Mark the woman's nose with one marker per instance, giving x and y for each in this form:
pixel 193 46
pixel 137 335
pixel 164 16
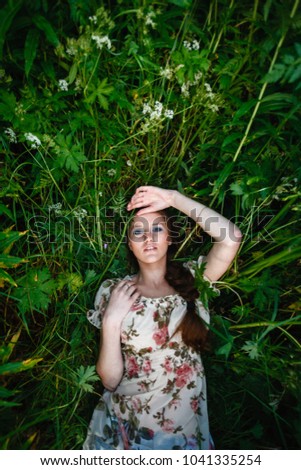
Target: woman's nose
pixel 148 236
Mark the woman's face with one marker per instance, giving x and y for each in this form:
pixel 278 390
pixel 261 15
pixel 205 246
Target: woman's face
pixel 149 238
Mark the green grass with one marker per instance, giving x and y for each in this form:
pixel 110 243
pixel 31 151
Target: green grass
pixel 226 132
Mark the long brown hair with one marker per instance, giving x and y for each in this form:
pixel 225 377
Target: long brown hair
pixel 194 331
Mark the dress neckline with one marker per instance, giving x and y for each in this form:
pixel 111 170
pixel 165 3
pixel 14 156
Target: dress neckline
pixel 161 297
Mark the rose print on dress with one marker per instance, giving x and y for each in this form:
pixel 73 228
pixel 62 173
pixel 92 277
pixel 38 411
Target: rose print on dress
pixel 132 366
pixel 161 336
pixel 184 374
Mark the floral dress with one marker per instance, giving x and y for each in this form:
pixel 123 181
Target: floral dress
pixel 161 400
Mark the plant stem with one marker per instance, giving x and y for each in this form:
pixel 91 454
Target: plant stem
pixel 263 88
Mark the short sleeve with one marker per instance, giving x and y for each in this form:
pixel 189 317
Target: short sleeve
pixel 192 266
pixel 102 298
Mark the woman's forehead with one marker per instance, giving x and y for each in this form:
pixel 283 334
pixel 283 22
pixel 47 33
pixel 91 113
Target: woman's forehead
pixel 152 218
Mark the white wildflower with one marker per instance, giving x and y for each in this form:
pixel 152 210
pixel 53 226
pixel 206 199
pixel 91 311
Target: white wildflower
pixel 210 95
pixel 213 108
pixel 167 73
pixel 19 109
pixel 197 77
pixel 185 90
pixel 100 194
pixel 93 19
pixel 195 45
pixel 129 163
pixel 149 19
pixel 146 109
pixel 155 112
pixel 78 84
pixel 145 127
pixel 154 115
pixel 11 135
pixel 178 67
pixel 169 113
pixel 112 172
pixel 63 85
pixel 80 214
pixel 57 208
pixel 187 45
pixel 208 87
pixel 101 41
pixel 158 108
pixel 192 46
pixel 71 50
pixel 35 141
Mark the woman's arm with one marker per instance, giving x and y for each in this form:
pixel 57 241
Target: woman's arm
pixel 227 236
pixel 110 364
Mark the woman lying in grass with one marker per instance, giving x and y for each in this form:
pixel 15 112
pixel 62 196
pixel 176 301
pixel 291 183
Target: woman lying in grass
pixel 153 331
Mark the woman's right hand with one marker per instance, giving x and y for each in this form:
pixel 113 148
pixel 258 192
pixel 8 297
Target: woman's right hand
pixel 124 294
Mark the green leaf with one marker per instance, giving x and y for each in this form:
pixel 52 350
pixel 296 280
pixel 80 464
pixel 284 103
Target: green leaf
pixel 5 393
pixel 7 404
pixel 207 292
pixel 90 276
pixel 181 3
pixel 5 277
pixel 100 92
pixel 297 47
pixel 7 15
pixel 30 50
pixel 266 9
pixel 69 156
pixel 7 238
pixel 275 74
pixel 296 74
pixel 45 26
pixel 244 109
pixel 257 430
pixel 15 367
pixel 226 348
pixel 7 349
pixel 6 211
pixel 83 377
pixel 231 138
pixel 236 189
pixel 251 347
pixel 8 261
pixel 72 73
pixel 7 105
pixel 35 290
pixel 72 280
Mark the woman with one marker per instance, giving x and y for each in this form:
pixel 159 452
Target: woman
pixel 153 329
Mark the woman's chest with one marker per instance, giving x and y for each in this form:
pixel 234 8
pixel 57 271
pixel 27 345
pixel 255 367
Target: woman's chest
pixel 151 323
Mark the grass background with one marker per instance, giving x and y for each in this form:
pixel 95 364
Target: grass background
pixel 97 98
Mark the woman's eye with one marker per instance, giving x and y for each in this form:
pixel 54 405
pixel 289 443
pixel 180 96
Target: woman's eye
pixel 157 229
pixel 137 232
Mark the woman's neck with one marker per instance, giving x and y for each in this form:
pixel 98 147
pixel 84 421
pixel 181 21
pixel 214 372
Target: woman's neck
pixel 151 281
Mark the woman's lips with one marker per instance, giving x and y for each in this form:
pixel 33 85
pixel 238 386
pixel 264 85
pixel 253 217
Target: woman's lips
pixel 150 248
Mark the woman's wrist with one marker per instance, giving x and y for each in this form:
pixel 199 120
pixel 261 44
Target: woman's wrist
pixel 111 323
pixel 172 197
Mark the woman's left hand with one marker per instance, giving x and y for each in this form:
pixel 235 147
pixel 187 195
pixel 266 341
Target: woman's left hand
pixel 151 199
